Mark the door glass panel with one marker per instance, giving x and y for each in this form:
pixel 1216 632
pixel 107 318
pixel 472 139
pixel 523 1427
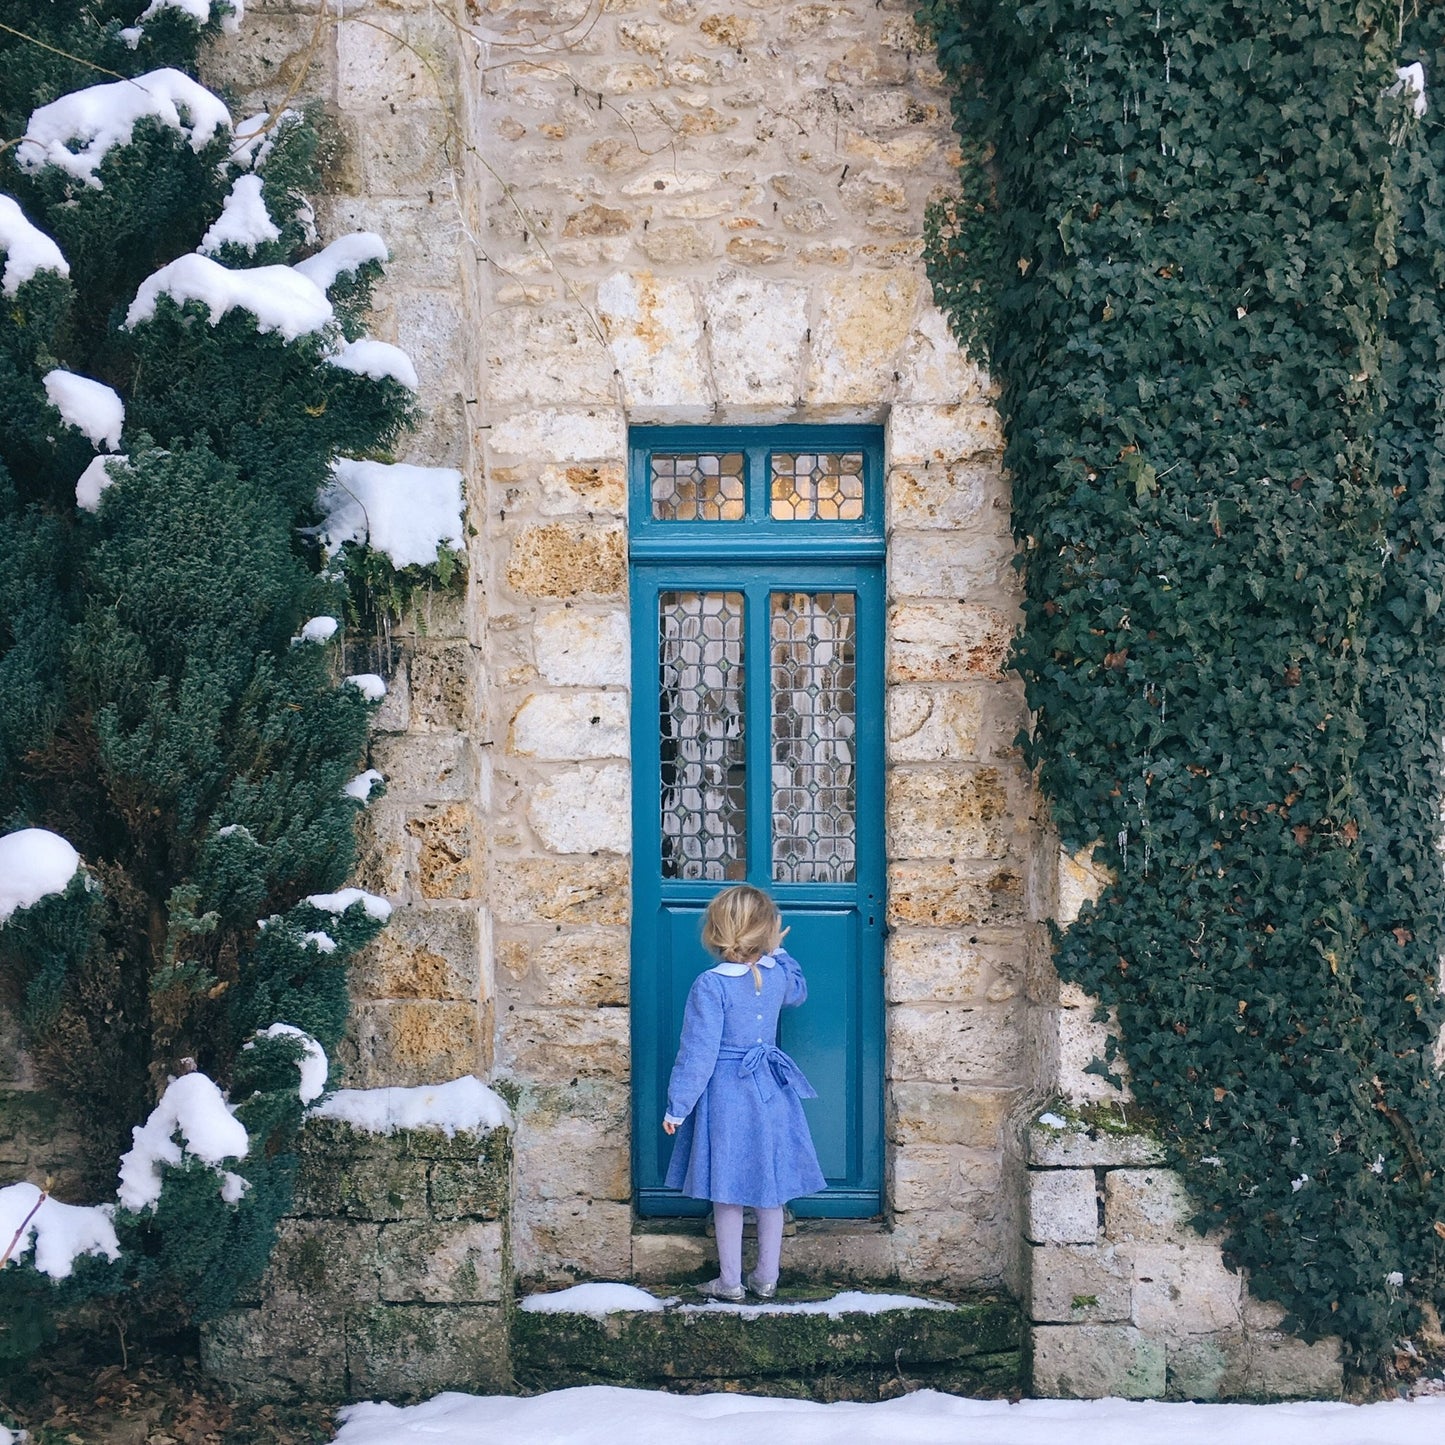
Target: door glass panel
pixel 814 709
pixel 817 486
pixel 700 681
pixel 698 487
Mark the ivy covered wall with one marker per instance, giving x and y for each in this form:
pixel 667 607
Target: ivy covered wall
pixel 1200 246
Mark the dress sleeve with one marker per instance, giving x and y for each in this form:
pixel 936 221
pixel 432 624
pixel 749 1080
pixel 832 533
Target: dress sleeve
pixel 702 1029
pixel 797 985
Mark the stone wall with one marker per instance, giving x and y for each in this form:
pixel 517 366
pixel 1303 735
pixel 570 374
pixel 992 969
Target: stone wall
pixel 1127 1299
pixel 391 1277
pixel 613 212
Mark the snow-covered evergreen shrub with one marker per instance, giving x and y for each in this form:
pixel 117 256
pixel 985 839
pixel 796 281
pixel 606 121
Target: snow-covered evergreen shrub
pixel 178 383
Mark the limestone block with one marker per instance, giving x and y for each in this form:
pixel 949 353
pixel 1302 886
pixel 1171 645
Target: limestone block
pixel 394 714
pixel 553 1045
pixel 945 434
pixel 1208 1367
pixel 441 1263
pixel 1284 1368
pixel 947 642
pixel 934 723
pixel 545 354
pixel 388 66
pixel 932 367
pixel 863 321
pixel 571 1158
pixel 953 564
pixel 953 895
pixel 581 968
pixel 757 330
pixel 664 1257
pixel 596 488
pixel 672 245
pixel 1082 1146
pixel 574 891
pixel 1149 1205
pixel 421 234
pixel 1081 1040
pixel 414 1042
pixel 964 495
pixel 923 1113
pixel 422 953
pixel 409 1352
pixel 428 327
pixel 581 649
pixel 1079 1284
pixel 953 1042
pixel 403 154
pixel 1063 1206
pixel 347 1185
pixel 958 812
pixel 563 726
pixel 562 559
pixel 584 810
pixel 324 1259
pixel 425 767
pixel 448 859
pixel 654 329
pixel 1080 881
pixel 443 683
pixel 554 434
pixel 1184 1289
pixel 942 1177
pixel 16 1070
pixel 469 1189
pixel 938 965
pixel 1094 1362
pixel 561 1239
pixel 271 55
pixel 288 1348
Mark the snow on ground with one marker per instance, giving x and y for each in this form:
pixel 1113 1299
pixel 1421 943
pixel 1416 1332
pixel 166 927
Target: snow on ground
pixel 91 407
pixel 595 1299
pixel 854 1302
pixel 279 299
pixel 313 1063
pixel 244 220
pixel 27 249
pixel 78 131
pixel 377 359
pixel 466 1104
pixel 343 256
pixel 404 511
pixel 604 1414
pixel 375 905
pixel 34 863
pixel 96 478
pixel 195 1108
pixel 60 1233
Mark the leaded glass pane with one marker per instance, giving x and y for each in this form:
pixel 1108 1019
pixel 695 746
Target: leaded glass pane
pixel 704 830
pixel 814 723
pixel 698 487
pixel 817 486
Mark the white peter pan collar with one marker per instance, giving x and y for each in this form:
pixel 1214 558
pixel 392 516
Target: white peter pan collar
pixel 737 970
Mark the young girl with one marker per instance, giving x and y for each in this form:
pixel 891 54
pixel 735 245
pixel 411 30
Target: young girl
pixel 733 1099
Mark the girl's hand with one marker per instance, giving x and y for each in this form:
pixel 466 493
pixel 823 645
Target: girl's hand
pixel 668 1127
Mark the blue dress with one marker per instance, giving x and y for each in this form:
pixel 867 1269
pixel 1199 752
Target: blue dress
pixel 743 1137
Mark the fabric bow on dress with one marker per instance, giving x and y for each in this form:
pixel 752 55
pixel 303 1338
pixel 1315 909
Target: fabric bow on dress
pixel 771 1069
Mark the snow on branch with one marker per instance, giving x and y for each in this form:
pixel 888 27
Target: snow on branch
pixel 27 249
pixel 312 1064
pixel 344 256
pixel 244 220
pixel 255 137
pixel 281 300
pixel 404 511
pixel 378 360
pixel 193 1107
pixel 34 863
pixel 100 474
pixel 60 1233
pixel 91 407
pixel 78 131
pixel 376 906
pixel 232 12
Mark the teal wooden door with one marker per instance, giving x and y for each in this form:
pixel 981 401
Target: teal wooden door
pixel 757 603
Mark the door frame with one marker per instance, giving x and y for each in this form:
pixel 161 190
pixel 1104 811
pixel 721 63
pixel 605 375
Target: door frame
pixel 810 556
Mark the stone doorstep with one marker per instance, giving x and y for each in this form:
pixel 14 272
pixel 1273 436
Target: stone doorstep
pixel 976 1346
pixel 673 1248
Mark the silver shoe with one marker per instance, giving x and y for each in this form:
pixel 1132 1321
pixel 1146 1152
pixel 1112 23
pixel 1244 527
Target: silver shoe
pixel 716 1289
pixel 763 1291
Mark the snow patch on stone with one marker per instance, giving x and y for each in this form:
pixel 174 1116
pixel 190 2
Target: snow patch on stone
pixel 193 1107
pixel 848 1302
pixel 465 1105
pixel 596 1299
pixel 27 249
pixel 361 785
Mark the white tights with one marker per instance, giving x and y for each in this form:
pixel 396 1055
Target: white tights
pixel 728 1220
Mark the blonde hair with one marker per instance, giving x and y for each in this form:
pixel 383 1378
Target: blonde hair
pixel 742 924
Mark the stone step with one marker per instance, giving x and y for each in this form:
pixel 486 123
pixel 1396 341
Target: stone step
pixel 971 1345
